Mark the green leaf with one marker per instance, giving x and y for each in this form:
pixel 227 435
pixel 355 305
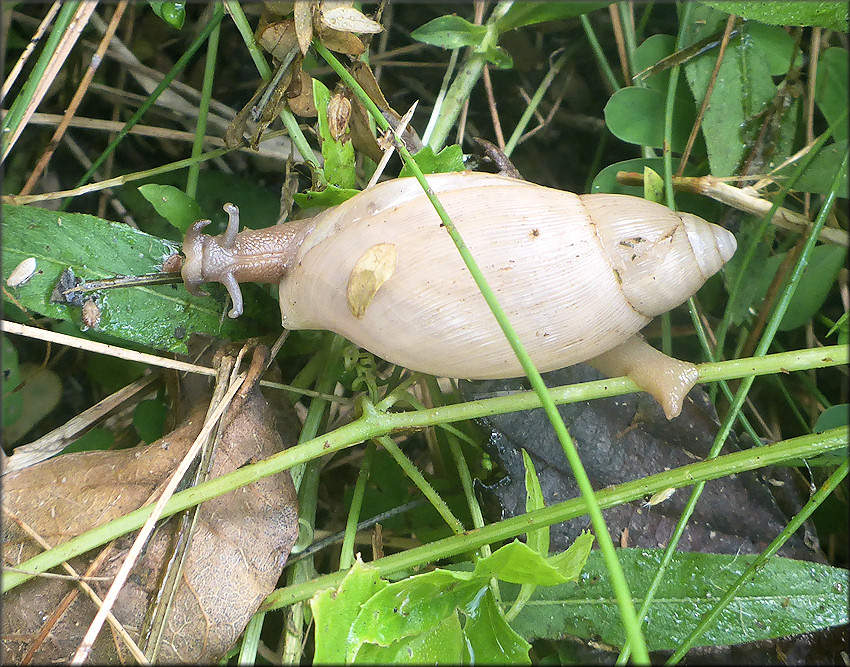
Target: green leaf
pixel 832 15
pixel 172 204
pixel 149 419
pixel 743 87
pixel 833 417
pixel 9 381
pixel 489 638
pixel 831 89
pixel 776 45
pixel 330 196
pixel 518 564
pixel 335 610
pixel 529 13
pixel 441 645
pixel 448 159
pixel 338 153
pixel 96 439
pixel 499 57
pixel 636 115
pixel 414 605
pixel 786 597
pixel 821 172
pixel 450 32
pixel 653 186
pixel 40 391
pixel 161 317
pixel 651 51
pixel 537 539
pixel 173 13
pixel 571 562
pixel 813 288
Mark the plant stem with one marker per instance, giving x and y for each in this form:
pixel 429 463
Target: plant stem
pixel 372 424
pixel 752 569
pixel 466 79
pixel 203 110
pixel 734 463
pixel 609 554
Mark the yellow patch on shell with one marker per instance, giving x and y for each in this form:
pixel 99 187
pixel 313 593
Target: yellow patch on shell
pixel 373 269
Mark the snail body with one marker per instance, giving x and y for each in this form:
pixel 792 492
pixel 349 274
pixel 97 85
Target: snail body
pixel 577 275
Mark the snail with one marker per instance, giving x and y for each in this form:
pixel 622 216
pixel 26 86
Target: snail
pixel 577 275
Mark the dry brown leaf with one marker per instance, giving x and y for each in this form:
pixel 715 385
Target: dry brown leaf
pixel 344 18
pixel 278 38
pixel 341 42
pixel 304 24
pixel 339 113
pixel 303 103
pixel 239 548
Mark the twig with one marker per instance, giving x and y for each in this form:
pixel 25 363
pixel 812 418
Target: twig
pixel 36 38
pixel 74 104
pixel 727 33
pixel 59 438
pixel 57 59
pixel 741 199
pixel 494 112
pixel 80 581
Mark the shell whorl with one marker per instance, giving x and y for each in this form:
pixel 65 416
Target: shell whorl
pixel 546 253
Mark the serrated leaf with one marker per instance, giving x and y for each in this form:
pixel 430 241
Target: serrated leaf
pixel 161 317
pixel 743 87
pixel 448 159
pixel 832 15
pixel 450 32
pixel 813 288
pixel 786 597
pixel 489 638
pixel 821 172
pixel 172 204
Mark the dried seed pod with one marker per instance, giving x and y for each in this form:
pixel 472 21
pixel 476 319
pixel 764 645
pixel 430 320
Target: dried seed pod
pixel 577 275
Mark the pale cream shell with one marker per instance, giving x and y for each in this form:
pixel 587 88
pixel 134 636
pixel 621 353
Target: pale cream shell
pixel 560 266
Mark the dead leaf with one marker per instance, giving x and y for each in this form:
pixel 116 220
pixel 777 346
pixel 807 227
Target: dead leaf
pixel 627 437
pixel 339 113
pixel 303 104
pixel 278 38
pixel 341 42
pixel 347 19
pixel 304 24
pixel 237 554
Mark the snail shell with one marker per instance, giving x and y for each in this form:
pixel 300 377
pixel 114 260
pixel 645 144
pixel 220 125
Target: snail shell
pixel 577 275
